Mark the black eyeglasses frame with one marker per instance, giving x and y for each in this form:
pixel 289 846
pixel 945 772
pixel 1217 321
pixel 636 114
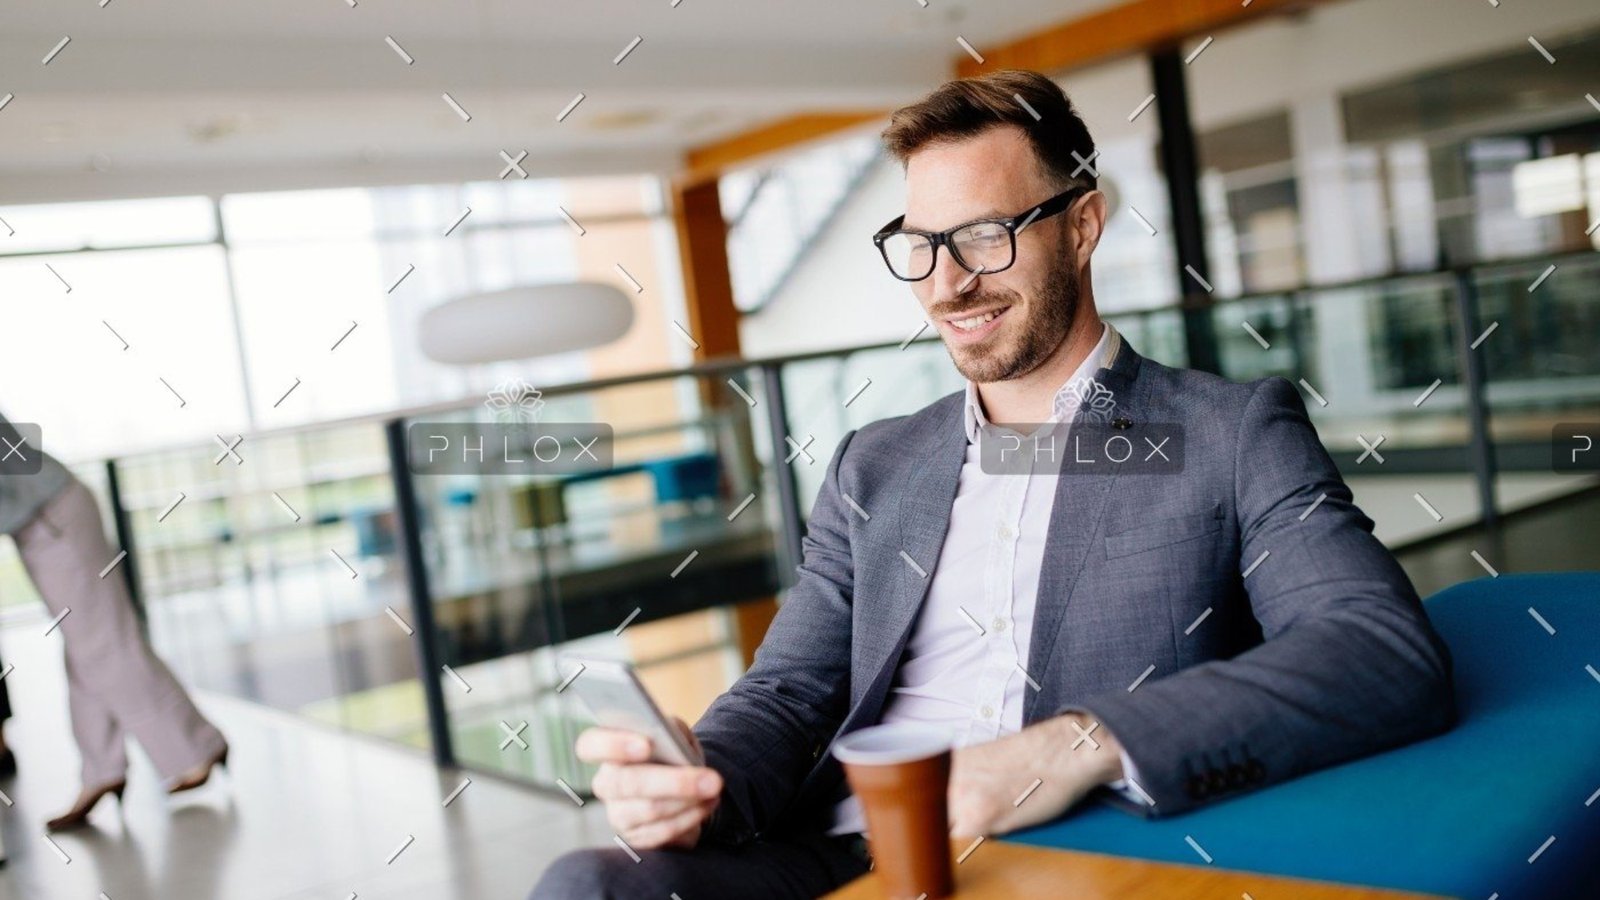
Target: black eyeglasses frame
pixel 1012 224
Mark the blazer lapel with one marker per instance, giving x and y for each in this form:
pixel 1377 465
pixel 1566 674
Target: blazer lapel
pixel 1074 524
pixel 924 519
pixel 933 472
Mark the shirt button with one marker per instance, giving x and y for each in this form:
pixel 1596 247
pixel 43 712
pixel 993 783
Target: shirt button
pixel 998 624
pixel 987 712
pixel 1005 532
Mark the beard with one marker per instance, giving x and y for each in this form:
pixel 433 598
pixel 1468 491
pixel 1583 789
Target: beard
pixel 1021 346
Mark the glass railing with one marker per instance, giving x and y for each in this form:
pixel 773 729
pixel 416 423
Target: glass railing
pixel 1542 370
pixel 320 575
pixel 654 559
pixel 265 573
pixel 1378 367
pixel 1387 378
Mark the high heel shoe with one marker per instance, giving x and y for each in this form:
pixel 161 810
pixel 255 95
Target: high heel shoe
pixel 78 815
pixel 200 774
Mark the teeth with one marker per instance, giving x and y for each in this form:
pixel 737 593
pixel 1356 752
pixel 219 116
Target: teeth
pixel 975 321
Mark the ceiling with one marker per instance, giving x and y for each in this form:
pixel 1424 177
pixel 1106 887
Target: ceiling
pixel 157 97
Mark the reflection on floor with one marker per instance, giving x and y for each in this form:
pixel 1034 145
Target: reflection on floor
pixel 1556 537
pixel 1398 518
pixel 306 812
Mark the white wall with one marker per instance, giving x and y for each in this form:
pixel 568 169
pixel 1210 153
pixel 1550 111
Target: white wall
pixel 843 295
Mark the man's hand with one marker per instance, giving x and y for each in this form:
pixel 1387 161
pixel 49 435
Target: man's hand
pixel 650 805
pixel 988 780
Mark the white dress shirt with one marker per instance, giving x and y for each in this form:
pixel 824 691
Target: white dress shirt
pixel 965 664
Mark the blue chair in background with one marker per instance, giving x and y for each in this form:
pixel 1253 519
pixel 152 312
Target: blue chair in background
pixel 376 530
pixel 1507 802
pixel 686 477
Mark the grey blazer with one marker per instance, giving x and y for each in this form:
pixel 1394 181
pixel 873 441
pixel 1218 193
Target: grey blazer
pixel 1320 654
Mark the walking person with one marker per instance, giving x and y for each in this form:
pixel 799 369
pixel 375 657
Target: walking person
pixel 8 760
pixel 117 687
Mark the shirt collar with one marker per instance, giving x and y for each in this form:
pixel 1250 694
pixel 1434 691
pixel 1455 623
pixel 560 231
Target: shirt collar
pixel 1067 396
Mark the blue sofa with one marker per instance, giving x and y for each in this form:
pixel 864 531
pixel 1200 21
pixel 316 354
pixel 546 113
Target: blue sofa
pixel 1470 813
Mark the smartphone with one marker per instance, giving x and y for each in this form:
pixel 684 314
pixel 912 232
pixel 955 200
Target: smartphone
pixel 616 698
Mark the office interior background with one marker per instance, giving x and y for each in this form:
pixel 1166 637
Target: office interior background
pixel 228 219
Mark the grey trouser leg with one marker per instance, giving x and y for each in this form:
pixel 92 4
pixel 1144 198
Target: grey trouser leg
pixel 799 867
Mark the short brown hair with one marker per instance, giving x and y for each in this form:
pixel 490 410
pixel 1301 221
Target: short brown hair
pixel 967 106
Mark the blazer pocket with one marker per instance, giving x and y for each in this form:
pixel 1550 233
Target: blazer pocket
pixel 1164 532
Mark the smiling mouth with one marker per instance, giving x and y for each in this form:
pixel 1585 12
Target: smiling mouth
pixel 972 323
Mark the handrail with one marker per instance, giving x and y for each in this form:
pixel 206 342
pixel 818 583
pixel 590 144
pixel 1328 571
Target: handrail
pixel 727 363
pixel 763 178
pixel 714 366
pixel 852 186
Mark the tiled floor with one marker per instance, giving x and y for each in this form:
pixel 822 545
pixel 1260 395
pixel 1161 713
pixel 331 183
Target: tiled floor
pixel 305 812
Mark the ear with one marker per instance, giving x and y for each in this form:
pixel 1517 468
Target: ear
pixel 1088 220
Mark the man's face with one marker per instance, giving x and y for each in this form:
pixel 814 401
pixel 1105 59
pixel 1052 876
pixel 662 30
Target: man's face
pixel 1032 303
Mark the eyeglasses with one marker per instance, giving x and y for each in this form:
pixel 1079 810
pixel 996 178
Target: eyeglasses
pixel 983 246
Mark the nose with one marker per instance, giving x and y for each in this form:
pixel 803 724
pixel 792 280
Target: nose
pixel 948 283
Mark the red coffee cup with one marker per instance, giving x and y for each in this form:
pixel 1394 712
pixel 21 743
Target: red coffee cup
pixel 900 773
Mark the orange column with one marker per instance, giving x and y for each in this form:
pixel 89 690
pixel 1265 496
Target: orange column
pixel 714 323
pixel 703 251
pixel 686 685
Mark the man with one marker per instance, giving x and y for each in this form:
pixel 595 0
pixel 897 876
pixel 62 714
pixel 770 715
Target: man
pixel 1211 631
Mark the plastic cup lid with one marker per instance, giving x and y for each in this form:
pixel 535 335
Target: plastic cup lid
pixel 889 744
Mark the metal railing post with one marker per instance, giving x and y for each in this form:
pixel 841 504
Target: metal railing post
pixel 1180 163
pixel 124 529
pixel 1475 380
pixel 1292 302
pixel 426 638
pixel 793 524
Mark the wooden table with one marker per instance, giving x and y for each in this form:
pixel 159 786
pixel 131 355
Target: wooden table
pixel 997 869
